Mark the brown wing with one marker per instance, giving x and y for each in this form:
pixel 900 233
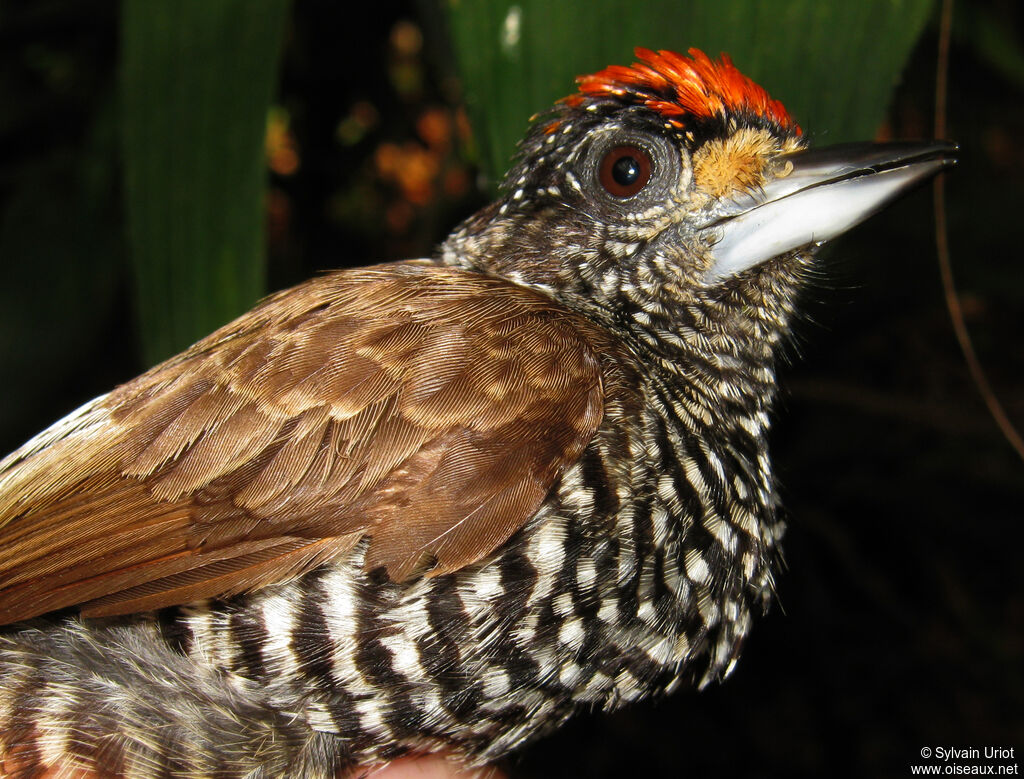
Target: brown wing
pixel 427 408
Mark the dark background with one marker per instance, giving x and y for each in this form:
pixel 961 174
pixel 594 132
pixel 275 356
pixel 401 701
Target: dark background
pixel 900 619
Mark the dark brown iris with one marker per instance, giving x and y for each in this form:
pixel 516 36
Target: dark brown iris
pixel 625 170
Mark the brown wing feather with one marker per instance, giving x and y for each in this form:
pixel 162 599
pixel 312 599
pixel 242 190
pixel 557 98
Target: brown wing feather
pixel 427 408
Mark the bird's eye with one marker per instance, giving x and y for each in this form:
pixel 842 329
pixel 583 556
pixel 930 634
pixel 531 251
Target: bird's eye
pixel 625 170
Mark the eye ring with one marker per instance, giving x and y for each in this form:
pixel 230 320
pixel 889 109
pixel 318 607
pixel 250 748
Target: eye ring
pixel 624 170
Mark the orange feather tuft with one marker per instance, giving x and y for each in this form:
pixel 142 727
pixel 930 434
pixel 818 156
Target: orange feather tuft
pixel 674 85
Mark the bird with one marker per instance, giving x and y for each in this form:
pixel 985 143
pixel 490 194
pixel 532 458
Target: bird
pixel 440 505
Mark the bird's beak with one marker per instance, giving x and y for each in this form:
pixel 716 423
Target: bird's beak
pixel 826 192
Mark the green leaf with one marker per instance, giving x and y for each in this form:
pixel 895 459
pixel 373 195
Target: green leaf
pixel 832 64
pixel 197 81
pixel 992 40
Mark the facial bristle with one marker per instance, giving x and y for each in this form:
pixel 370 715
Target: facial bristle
pixel 678 87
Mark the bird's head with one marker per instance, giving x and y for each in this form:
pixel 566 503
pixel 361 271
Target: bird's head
pixel 678 184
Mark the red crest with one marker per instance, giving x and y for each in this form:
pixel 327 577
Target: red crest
pixel 675 86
